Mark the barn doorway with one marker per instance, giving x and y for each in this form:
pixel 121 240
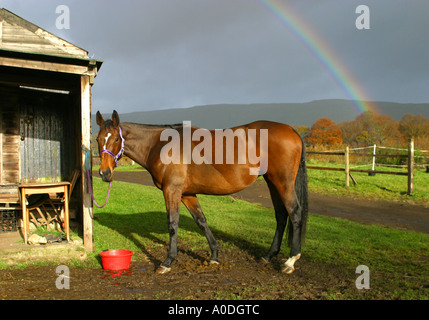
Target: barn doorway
pixel 47 137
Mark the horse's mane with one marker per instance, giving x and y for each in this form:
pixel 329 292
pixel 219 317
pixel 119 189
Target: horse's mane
pixel 175 125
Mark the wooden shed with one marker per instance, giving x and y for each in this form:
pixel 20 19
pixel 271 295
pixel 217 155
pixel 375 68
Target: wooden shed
pixel 45 113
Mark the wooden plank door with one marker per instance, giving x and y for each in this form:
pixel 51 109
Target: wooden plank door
pixel 9 142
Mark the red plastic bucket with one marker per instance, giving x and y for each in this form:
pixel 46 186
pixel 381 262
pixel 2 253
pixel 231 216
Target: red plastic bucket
pixel 116 259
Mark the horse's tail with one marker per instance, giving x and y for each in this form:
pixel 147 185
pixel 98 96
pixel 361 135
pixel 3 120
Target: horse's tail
pixel 301 191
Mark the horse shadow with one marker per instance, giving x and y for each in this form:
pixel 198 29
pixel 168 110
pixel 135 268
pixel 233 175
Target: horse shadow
pixel 152 226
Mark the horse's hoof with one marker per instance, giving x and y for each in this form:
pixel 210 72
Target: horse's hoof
pixel 288 270
pixel 214 262
pixel 163 270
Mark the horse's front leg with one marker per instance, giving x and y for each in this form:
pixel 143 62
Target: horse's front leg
pixel 193 205
pixel 172 203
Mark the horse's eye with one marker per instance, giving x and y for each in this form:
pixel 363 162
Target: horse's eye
pixel 117 139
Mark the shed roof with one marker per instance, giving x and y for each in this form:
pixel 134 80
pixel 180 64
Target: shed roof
pixel 18 34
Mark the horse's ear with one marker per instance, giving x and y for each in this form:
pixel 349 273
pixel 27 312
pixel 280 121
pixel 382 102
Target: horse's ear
pixel 115 118
pixel 100 119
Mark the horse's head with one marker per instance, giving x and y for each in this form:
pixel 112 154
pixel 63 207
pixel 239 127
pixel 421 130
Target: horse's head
pixel 110 145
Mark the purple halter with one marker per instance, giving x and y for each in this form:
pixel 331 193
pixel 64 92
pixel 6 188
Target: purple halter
pixel 120 153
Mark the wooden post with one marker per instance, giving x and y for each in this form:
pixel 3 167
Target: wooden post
pixel 410 167
pixel 347 166
pixel 88 237
pixel 373 158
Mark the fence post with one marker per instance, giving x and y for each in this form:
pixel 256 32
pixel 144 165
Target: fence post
pixel 411 167
pixel 373 158
pixel 347 166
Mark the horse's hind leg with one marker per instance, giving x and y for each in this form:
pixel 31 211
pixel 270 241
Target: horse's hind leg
pixel 286 203
pixel 193 205
pixel 295 221
pixel 281 218
pixel 295 242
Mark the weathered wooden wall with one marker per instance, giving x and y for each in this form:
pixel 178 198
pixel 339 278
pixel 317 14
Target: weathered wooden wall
pixel 45 153
pixel 38 137
pixel 9 140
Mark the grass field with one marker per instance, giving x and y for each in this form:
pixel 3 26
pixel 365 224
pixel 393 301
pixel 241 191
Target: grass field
pixel 135 218
pixel 380 186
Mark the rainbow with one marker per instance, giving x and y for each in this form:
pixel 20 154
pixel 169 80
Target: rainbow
pixel 322 52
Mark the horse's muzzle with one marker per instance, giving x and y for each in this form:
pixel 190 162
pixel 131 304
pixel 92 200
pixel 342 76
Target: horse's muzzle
pixel 106 175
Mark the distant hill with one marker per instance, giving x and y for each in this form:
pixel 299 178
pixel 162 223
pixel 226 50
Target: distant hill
pixel 229 115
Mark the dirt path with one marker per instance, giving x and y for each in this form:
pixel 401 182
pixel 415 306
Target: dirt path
pixel 388 213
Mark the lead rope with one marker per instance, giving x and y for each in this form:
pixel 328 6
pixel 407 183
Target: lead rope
pixel 88 175
pixel 92 194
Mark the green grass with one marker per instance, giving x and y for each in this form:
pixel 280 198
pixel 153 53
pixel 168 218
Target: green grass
pixel 380 186
pixel 135 218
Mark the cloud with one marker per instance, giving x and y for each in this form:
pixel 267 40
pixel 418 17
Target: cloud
pixel 169 53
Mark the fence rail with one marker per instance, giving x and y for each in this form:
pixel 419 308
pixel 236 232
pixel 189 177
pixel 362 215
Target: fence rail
pixel 347 170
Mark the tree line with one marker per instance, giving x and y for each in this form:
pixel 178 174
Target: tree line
pixel 367 129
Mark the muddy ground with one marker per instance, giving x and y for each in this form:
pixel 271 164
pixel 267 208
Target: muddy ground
pixel 240 274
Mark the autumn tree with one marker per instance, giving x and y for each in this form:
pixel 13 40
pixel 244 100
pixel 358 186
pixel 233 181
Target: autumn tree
pixel 326 132
pixel 416 127
pixel 350 130
pixel 302 130
pixel 371 128
pixel 413 126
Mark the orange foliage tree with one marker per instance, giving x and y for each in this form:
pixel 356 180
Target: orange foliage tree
pixel 324 132
pixel 412 126
pixel 416 127
pixel 371 128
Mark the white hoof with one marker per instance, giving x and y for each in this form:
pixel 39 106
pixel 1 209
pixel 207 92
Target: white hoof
pixel 163 270
pixel 289 264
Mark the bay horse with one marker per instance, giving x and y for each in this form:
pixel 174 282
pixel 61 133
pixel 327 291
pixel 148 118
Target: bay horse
pixel 285 174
